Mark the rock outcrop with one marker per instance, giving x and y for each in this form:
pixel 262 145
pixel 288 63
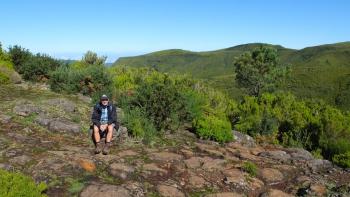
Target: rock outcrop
pixel 50 144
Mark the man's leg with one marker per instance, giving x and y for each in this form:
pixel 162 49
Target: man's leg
pixel 97 139
pixel 109 133
pixel 108 139
pixel 97 134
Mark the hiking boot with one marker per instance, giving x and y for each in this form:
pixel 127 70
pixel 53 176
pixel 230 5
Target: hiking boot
pixel 106 148
pixel 98 148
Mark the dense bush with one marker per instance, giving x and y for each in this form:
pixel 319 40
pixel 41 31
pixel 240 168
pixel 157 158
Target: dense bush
pixel 38 67
pixel 16 184
pixel 4 56
pixel 93 80
pixel 213 128
pixel 160 100
pixel 157 95
pixel 141 127
pixel 309 124
pixel 169 101
pixel 19 56
pixel 4 79
pixel 32 67
pixel 7 72
pixel 342 160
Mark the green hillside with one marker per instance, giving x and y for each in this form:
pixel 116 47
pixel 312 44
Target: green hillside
pixel 318 72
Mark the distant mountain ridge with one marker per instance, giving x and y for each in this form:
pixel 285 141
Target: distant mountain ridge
pixel 318 72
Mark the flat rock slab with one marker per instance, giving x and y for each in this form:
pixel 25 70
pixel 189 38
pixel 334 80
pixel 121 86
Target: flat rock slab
pixel 50 165
pixel 225 194
pixel 62 125
pixel 42 120
pixel 300 154
pixel 255 184
pixel 196 181
pixel 235 177
pixel 211 164
pixel 169 191
pixel 193 162
pixel 318 189
pixel 317 165
pixel 244 139
pixel 210 149
pixel 21 160
pixel 276 155
pixel 271 175
pixel 276 193
pixel 166 156
pixel 248 156
pixel 187 153
pixel 4 119
pixel 152 169
pixel 62 103
pixel 121 170
pixel 104 190
pixel 26 109
pixel 127 153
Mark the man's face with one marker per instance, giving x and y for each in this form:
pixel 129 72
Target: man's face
pixel 104 102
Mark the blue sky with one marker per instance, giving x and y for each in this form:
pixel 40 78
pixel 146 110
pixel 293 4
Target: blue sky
pixel 68 28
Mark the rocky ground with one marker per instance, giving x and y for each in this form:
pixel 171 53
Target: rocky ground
pixel 45 135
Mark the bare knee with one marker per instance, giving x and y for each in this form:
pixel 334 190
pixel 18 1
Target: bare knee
pixel 96 129
pixel 110 127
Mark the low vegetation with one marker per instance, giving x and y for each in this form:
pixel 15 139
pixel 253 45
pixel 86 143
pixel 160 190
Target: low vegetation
pixel 32 67
pixel 312 125
pixel 250 168
pixel 164 102
pixel 16 184
pixel 7 72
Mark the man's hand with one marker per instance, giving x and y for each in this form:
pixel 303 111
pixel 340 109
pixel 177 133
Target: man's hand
pixel 103 127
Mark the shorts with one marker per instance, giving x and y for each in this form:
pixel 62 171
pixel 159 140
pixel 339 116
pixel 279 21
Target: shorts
pixel 103 134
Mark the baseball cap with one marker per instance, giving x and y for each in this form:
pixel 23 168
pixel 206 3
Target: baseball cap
pixel 104 97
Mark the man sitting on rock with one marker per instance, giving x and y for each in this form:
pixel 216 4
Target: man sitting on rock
pixel 104 119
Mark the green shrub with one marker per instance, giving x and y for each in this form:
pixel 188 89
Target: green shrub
pixel 161 101
pixel 92 80
pixel 7 72
pixel 17 184
pixel 169 101
pixel 250 168
pixel 138 125
pixel 19 56
pixel 317 153
pixel 4 79
pixel 4 56
pixel 194 104
pixel 213 128
pixel 156 94
pixel 7 64
pixel 310 124
pixel 33 67
pixel 38 67
pixel 6 68
pixel 342 160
